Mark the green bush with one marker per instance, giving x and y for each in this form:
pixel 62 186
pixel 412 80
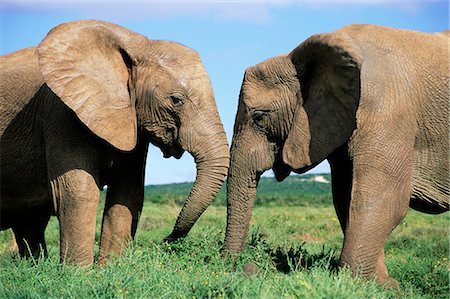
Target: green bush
pixel 295 190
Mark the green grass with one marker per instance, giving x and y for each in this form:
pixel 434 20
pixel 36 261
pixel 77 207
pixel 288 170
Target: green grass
pixel 295 243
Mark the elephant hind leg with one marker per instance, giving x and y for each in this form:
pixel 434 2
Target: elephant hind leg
pixel 376 208
pixel 382 159
pixel 382 276
pixel 30 234
pixel 341 173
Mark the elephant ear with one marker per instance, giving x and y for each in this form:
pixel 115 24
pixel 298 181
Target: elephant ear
pixel 89 65
pixel 328 67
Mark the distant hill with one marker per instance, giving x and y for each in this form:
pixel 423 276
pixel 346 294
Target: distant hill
pixel 303 190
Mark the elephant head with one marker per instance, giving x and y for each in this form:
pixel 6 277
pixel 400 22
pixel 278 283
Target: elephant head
pixel 294 110
pixel 124 87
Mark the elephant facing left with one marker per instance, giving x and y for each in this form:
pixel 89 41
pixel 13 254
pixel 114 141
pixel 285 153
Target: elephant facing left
pixel 77 113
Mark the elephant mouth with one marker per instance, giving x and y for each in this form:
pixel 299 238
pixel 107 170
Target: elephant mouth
pixel 172 151
pixel 306 168
pixel 168 150
pixel 281 171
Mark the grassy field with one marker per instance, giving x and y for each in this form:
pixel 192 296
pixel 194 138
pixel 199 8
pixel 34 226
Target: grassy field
pixel 295 240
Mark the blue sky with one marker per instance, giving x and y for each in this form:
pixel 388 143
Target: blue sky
pixel 229 35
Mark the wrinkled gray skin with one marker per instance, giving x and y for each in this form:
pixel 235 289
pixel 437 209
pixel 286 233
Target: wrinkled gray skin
pixel 374 102
pixel 77 113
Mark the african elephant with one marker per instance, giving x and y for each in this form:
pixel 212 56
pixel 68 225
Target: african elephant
pixel 371 100
pixel 78 112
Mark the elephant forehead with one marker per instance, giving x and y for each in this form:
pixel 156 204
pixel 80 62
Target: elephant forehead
pixel 171 52
pixel 177 61
pixel 255 99
pixel 269 82
pixel 258 95
pixel 184 77
pixel 194 76
pixel 272 72
pixel 189 75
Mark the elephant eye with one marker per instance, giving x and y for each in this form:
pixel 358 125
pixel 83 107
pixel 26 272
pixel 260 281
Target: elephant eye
pixel 177 99
pixel 258 117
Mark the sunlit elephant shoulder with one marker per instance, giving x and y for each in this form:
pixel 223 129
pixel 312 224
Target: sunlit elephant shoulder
pixel 78 112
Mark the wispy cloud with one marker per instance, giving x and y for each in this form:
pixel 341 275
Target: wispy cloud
pixel 248 11
pixel 411 7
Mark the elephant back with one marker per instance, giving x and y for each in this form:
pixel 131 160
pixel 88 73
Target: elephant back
pixel 20 68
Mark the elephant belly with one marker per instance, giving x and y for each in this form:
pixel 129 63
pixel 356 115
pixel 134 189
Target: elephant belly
pixel 16 208
pixel 22 187
pixel 22 194
pixel 23 182
pixel 430 177
pixel 430 184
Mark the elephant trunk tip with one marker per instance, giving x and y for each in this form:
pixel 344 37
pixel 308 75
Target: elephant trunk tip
pixel 174 236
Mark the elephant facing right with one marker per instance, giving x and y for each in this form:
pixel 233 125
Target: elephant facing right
pixel 374 102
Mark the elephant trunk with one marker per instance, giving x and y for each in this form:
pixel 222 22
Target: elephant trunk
pixel 243 178
pixel 211 155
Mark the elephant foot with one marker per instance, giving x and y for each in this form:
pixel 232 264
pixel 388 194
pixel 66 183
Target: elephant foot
pixel 250 269
pixel 389 283
pixel 101 261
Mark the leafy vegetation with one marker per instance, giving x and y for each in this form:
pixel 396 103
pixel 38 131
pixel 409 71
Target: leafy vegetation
pixel 295 240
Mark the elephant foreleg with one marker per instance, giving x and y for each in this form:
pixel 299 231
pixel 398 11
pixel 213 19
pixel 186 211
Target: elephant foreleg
pixel 341 176
pixel 76 196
